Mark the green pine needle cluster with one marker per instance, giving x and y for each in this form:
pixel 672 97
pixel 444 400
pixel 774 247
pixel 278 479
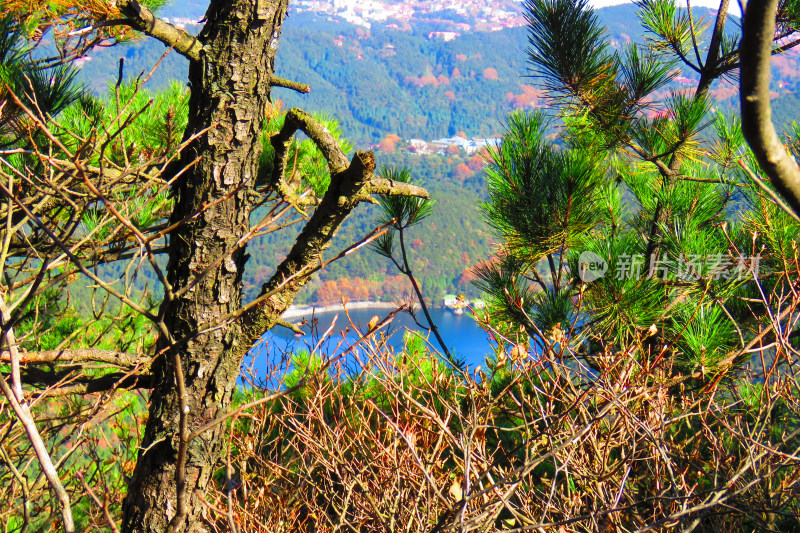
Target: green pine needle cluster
pixel 639 228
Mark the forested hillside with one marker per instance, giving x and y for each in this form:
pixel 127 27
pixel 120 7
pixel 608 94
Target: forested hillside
pixel 395 84
pixel 442 250
pixel 401 81
pixel 386 81
pixel 632 235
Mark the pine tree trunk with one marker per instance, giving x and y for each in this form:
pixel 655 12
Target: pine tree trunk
pixel 229 91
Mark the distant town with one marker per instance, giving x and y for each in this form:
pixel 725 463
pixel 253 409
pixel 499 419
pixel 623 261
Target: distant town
pixel 440 146
pixel 482 15
pixel 474 15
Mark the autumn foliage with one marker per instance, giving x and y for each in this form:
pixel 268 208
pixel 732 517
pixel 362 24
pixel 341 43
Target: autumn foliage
pixel 389 142
pixel 359 290
pixel 490 74
pixel 461 172
pixel 530 97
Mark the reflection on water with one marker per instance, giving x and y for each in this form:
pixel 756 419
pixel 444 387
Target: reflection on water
pixel 462 335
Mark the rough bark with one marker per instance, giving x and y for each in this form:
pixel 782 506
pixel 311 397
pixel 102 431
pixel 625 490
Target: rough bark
pixel 205 329
pixel 348 187
pixel 230 87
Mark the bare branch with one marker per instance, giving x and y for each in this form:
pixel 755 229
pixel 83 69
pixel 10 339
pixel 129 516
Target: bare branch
pixel 769 192
pixel 708 71
pixel 23 413
pixel 297 119
pixel 389 187
pixel 294 328
pixel 63 382
pixel 277 81
pixel 756 50
pixel 102 505
pixel 142 19
pixel 87 355
pixel 250 405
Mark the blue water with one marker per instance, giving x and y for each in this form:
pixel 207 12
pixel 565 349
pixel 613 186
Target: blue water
pixel 460 333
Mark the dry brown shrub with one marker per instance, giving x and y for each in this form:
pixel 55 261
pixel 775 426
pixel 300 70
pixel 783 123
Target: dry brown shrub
pixel 405 444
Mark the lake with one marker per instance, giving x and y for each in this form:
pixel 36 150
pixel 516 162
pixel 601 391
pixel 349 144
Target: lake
pixel 460 332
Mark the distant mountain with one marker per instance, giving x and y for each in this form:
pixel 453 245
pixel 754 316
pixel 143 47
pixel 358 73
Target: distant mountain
pixel 388 83
pixel 414 81
pixel 376 81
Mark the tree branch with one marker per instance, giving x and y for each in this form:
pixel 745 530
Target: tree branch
pixel 351 183
pixel 24 415
pixel 389 187
pixel 290 326
pixel 142 19
pixel 340 199
pixel 769 192
pixel 60 383
pixel 277 81
pixel 88 355
pixel 708 72
pixel 756 50
pixel 297 119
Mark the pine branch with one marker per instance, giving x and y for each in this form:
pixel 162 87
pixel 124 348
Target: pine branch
pixel 277 81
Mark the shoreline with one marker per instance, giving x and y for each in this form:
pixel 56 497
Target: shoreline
pixel 298 311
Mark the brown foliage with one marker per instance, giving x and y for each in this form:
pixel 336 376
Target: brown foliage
pixel 462 172
pixel 426 79
pixel 530 97
pixel 389 142
pixel 534 442
pixel 477 162
pixel 490 74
